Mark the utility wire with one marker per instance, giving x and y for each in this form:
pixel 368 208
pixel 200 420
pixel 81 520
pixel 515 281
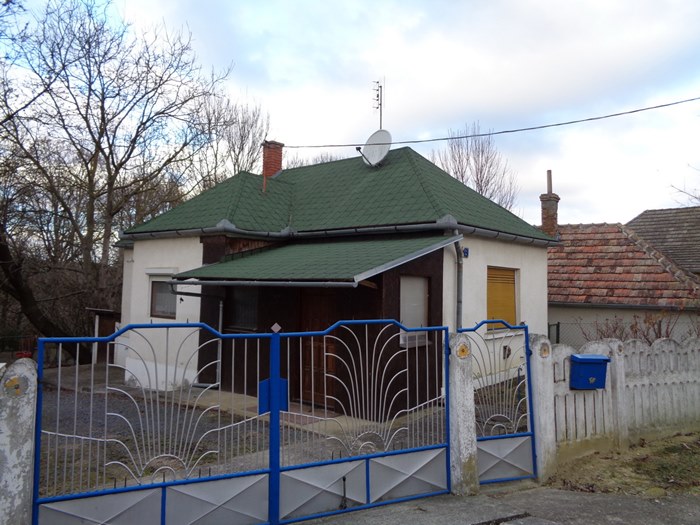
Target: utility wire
pixel 507 131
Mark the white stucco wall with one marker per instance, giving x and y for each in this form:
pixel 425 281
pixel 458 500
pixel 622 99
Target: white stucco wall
pixel 158 259
pixel 531 286
pixel 575 320
pixel 153 259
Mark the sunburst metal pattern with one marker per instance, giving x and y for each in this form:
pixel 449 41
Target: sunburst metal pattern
pixel 144 421
pixel 505 439
pixel 364 389
pixel 204 427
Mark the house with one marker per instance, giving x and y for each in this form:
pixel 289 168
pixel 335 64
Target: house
pixel 605 280
pixel 675 232
pixel 308 246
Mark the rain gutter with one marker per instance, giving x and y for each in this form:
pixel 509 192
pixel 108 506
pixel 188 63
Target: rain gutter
pixel 289 284
pixel 446 223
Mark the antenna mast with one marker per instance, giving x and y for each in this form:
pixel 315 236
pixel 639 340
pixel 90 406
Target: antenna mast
pixel 379 99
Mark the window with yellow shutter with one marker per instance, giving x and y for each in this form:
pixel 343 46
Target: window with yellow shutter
pixel 500 295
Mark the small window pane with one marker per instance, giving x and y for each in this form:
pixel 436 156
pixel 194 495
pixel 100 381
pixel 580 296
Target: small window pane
pixel 414 301
pixel 163 301
pixel 413 309
pixel 245 308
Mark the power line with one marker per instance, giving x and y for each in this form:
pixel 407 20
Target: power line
pixel 507 131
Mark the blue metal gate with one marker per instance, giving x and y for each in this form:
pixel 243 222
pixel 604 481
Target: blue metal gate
pixel 310 424
pixel 502 392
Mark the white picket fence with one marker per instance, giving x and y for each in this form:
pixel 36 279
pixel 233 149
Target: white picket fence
pixel 650 389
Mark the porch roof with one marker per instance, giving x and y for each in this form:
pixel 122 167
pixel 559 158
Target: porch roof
pixel 341 262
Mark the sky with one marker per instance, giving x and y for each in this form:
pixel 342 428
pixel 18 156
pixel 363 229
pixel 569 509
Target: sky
pixel 445 64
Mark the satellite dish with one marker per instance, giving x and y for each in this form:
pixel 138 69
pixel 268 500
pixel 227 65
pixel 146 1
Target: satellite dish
pixel 376 147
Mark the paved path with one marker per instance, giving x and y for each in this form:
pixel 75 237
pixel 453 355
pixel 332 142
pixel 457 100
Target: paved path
pixel 529 506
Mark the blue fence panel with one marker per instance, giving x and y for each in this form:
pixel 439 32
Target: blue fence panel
pixel 179 412
pixel 502 392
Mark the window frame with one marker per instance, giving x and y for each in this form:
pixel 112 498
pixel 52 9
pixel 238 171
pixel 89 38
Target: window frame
pixel 240 298
pixel 419 285
pixel 155 293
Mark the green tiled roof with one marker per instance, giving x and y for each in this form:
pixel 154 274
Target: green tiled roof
pixel 405 189
pixel 341 260
pixel 239 200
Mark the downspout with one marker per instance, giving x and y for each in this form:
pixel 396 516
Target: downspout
pixel 460 274
pixel 219 345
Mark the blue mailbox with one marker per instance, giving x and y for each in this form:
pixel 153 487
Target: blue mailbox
pixel 588 371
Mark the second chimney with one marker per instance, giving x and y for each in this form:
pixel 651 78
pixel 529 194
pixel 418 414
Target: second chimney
pixel 272 158
pixel 550 208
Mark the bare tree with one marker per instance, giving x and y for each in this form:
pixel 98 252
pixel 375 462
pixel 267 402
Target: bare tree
pixel 236 132
pixel 98 118
pixel 472 158
pixel 296 161
pixel 691 195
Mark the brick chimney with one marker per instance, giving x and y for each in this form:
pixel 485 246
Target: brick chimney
pixel 550 208
pixel 272 158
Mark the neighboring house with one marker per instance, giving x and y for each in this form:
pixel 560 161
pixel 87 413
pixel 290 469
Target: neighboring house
pixel 308 246
pixel 606 281
pixel 675 232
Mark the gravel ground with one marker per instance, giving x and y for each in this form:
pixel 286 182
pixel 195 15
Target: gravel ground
pixel 182 442
pixel 150 440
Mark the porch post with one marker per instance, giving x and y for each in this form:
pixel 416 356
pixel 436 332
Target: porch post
pixel 463 452
pixel 542 405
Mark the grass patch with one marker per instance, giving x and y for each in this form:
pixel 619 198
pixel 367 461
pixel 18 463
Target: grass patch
pixel 676 465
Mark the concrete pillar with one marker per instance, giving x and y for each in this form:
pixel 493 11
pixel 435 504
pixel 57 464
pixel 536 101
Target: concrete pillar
pixel 542 403
pixel 618 391
pixel 18 387
pixel 465 473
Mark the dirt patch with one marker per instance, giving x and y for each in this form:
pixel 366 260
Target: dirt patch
pixel 653 468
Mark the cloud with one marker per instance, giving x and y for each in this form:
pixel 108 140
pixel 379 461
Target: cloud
pixel 311 64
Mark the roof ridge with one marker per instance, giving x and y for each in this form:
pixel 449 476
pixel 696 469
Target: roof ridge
pixel 292 198
pixel 668 264
pixel 232 207
pixel 417 172
pixel 592 224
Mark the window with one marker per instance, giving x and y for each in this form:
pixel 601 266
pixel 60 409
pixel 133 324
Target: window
pixel 413 308
pixel 245 308
pixel 500 295
pixel 163 301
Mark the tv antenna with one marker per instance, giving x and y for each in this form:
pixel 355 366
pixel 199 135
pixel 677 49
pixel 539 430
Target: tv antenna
pixel 379 99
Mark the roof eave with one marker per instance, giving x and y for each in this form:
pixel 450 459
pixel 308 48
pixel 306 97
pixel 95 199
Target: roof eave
pixel 225 227
pixel 609 306
pixel 263 283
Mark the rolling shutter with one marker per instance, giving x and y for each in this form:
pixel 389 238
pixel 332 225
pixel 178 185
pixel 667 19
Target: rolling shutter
pixel 500 295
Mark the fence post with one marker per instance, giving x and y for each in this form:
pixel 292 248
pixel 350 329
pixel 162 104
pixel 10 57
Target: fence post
pixel 17 416
pixel 463 451
pixel 618 387
pixel 274 481
pixel 542 405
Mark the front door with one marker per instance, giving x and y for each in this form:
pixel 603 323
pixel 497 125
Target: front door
pixel 318 362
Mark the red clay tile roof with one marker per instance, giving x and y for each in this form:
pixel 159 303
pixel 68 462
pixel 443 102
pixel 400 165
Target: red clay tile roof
pixel 607 264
